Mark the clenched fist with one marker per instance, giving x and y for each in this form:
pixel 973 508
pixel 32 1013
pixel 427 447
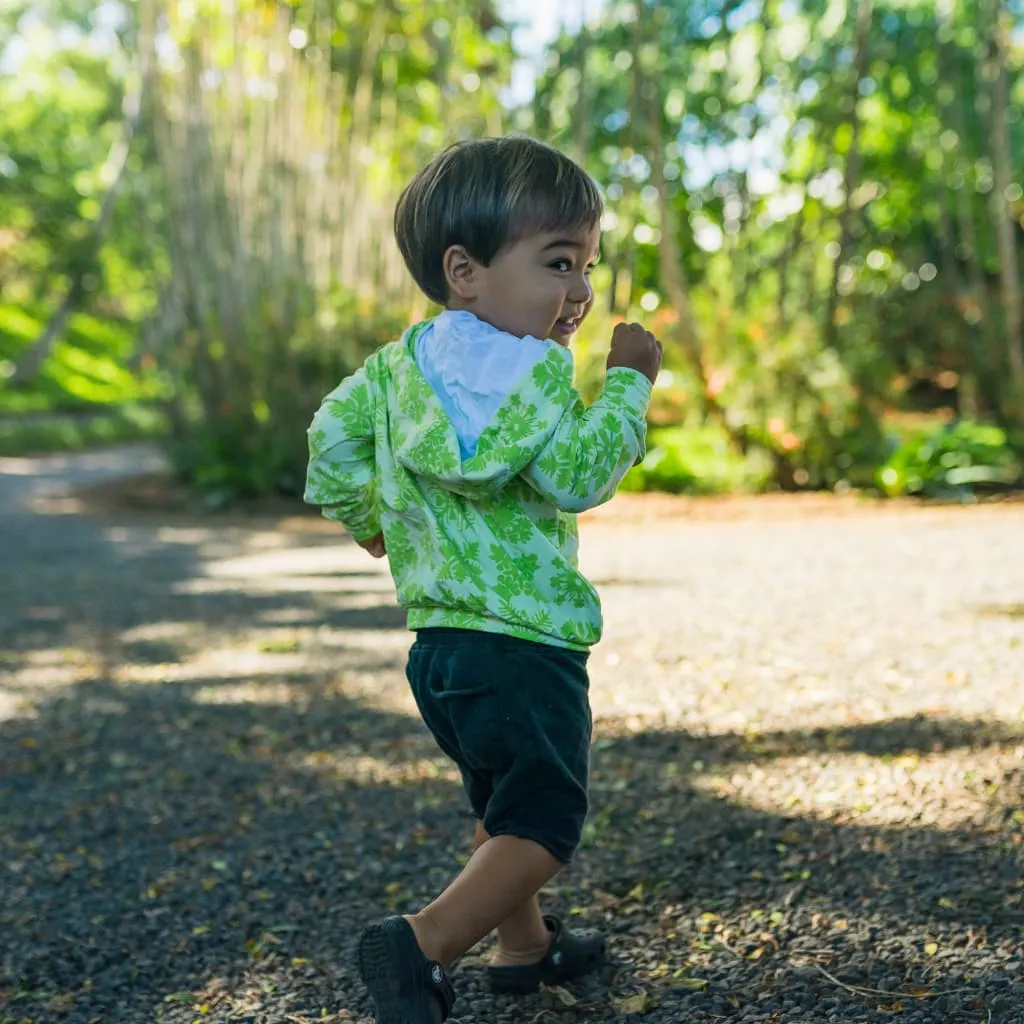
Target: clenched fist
pixel 636 348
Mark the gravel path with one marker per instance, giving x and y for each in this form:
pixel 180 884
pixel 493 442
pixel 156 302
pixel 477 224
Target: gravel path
pixel 808 769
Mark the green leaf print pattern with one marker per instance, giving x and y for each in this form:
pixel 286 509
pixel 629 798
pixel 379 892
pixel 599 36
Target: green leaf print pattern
pixel 490 542
pixel 342 469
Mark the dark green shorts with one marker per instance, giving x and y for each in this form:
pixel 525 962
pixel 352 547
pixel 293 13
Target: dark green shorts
pixel 515 717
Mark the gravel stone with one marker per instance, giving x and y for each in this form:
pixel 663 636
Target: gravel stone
pixel 808 765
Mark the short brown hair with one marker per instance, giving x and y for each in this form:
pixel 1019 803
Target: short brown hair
pixel 486 194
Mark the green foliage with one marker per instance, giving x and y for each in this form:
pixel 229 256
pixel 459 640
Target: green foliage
pixel 251 224
pixel 86 370
pixel 60 114
pixel 31 434
pixel 696 461
pixel 283 271
pixel 763 120
pixel 239 417
pixel 955 460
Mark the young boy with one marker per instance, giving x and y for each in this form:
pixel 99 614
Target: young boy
pixel 463 453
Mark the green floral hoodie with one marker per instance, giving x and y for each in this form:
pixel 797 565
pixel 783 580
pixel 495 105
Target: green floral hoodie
pixel 480 530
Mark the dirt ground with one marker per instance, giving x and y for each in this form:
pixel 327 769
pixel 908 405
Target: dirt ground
pixel 808 770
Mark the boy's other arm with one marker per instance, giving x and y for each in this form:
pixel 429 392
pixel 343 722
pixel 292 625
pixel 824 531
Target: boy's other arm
pixel 591 450
pixel 342 463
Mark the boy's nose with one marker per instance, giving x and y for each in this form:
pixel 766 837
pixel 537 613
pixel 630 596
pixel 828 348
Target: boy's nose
pixel 581 292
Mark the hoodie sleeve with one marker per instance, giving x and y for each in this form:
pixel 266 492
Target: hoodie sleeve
pixel 591 450
pixel 342 464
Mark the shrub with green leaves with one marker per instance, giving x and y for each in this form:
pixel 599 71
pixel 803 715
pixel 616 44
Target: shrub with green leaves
pixel 954 461
pixel 699 460
pixel 241 413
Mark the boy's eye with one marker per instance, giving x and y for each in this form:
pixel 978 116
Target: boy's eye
pixel 565 265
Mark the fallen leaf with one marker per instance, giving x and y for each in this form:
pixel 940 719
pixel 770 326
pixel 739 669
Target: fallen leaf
pixel 931 948
pixel 605 900
pixel 693 984
pixel 561 995
pixel 631 1004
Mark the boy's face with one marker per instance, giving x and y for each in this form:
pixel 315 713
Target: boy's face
pixel 539 286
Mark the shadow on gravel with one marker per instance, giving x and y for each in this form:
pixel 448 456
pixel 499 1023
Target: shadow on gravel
pixel 81 586
pixel 181 851
pixel 168 854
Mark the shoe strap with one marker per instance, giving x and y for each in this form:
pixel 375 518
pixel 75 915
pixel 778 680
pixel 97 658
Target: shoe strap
pixel 441 988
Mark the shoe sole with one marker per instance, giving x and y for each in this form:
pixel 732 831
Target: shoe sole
pixel 377 970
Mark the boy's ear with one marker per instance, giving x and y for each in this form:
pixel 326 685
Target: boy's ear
pixel 460 272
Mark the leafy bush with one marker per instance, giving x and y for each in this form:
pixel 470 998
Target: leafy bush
pixel 33 434
pixel 86 369
pixel 240 414
pixel 699 460
pixel 953 461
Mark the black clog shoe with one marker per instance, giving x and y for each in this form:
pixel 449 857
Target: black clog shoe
pixel 573 953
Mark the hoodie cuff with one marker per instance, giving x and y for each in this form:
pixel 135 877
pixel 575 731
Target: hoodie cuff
pixel 635 388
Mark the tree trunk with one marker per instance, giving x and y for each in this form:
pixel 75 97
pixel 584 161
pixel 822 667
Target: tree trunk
pixel 789 253
pixel 975 373
pixel 1002 216
pixel 116 163
pixel 581 135
pixel 851 172
pixel 747 265
pixel 673 271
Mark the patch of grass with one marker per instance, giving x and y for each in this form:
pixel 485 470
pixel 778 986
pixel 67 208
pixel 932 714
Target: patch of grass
pixel 700 460
pixel 86 368
pixel 83 395
pixel 35 434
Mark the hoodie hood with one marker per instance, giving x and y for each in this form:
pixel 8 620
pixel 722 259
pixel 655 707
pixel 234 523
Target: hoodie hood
pixel 469 405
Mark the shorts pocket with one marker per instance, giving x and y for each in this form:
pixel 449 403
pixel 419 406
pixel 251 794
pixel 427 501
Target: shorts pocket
pixel 461 689
pixel 469 699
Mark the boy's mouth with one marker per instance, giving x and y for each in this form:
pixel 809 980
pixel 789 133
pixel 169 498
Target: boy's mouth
pixel 567 326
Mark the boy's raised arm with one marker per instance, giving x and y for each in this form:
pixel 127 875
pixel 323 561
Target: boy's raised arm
pixel 591 450
pixel 340 476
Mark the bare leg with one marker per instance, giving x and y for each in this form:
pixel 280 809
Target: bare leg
pixel 523 938
pixel 497 887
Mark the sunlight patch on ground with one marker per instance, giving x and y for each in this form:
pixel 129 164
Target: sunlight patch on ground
pixel 291 562
pixel 939 791
pixel 54 667
pixel 255 691
pixel 367 769
pixel 369 589
pixel 226 663
pixel 14 705
pixel 288 617
pixel 150 632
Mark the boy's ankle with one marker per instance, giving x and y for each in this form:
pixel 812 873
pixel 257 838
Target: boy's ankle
pixel 521 957
pixel 428 942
